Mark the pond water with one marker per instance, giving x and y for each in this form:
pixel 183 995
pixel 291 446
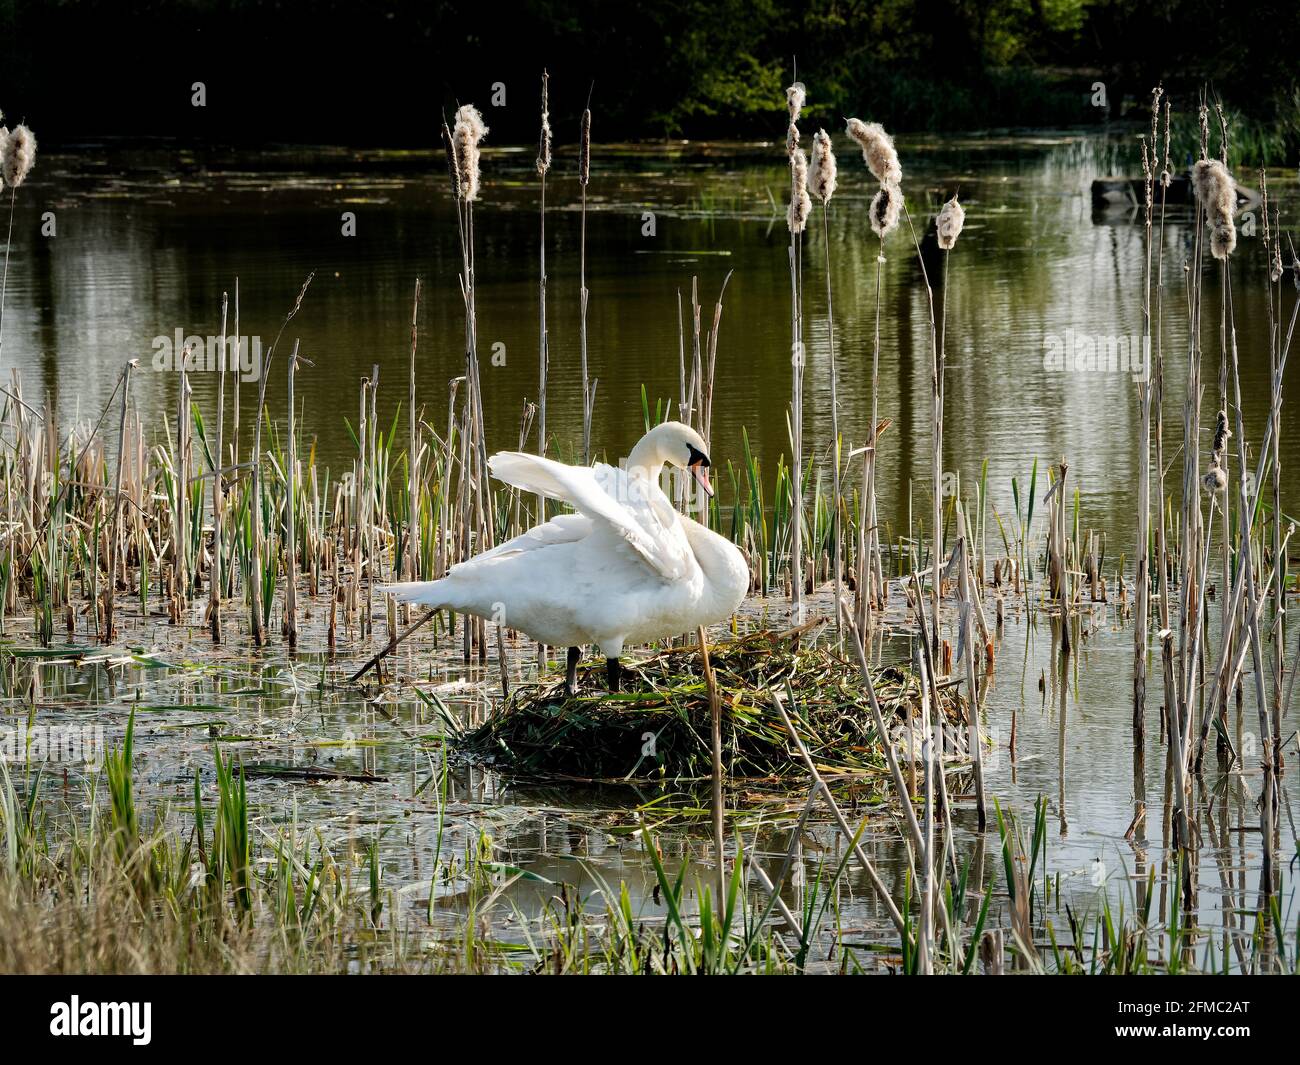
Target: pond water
pixel 148 239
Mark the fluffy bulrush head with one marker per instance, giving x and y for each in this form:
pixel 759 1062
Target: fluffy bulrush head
pixel 800 202
pixel 822 176
pixel 544 141
pixel 1217 193
pixel 877 150
pixel 1214 187
pixel 949 224
pixel 19 155
pixel 1223 239
pixel 886 206
pixel 1215 480
pixel 468 132
pixel 795 97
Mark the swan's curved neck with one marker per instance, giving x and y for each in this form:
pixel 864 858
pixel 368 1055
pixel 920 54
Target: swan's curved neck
pixel 646 461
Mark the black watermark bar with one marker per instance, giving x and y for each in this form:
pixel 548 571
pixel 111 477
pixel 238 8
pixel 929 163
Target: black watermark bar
pixel 147 1014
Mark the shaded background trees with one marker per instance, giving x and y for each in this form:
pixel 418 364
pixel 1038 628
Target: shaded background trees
pixel 330 71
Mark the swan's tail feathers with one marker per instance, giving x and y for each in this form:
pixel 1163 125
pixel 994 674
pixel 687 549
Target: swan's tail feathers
pixel 427 593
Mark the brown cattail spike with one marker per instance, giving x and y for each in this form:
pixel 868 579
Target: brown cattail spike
pixel 453 165
pixel 584 149
pixel 544 142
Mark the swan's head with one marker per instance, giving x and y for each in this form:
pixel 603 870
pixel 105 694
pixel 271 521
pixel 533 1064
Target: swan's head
pixel 672 444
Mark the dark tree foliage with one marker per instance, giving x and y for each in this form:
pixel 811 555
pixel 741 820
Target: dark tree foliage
pixel 367 72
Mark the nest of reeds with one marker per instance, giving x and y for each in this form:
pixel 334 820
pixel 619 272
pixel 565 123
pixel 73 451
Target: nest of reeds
pixel 658 728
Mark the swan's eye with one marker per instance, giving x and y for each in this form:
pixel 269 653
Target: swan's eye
pixel 696 457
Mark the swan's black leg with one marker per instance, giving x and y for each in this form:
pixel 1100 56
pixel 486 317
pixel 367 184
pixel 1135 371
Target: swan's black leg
pixel 613 673
pixel 571 676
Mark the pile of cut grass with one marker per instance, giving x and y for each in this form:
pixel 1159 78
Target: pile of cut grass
pixel 658 727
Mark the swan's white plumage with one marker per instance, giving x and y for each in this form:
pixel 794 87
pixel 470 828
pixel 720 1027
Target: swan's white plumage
pixel 636 510
pixel 627 568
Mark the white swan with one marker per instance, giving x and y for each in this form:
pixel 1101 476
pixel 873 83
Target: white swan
pixel 627 568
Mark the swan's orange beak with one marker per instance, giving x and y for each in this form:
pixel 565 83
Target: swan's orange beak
pixel 701 474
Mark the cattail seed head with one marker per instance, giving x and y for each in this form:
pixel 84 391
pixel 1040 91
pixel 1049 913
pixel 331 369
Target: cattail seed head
pixel 453 165
pixel 1275 266
pixel 1215 189
pixel 822 176
pixel 795 97
pixel 1221 435
pixel 467 133
pixel 1215 480
pixel 949 224
pixel 800 202
pixel 886 207
pixel 1217 193
pixel 584 149
pixel 544 142
pixel 1223 239
pixel 19 155
pixel 877 150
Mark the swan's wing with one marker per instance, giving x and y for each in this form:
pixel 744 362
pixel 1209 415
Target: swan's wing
pixel 653 513
pixel 561 529
pixel 603 494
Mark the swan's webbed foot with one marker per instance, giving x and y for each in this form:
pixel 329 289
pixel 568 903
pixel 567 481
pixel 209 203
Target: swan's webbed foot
pixel 613 673
pixel 571 675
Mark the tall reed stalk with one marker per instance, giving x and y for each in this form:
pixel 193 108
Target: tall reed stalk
pixel 948 227
pixel 543 166
pixel 216 574
pixel 110 589
pixel 822 181
pixel 413 451
pixel 1142 553
pixel 17 157
pixel 796 221
pixel 291 512
pixel 584 296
